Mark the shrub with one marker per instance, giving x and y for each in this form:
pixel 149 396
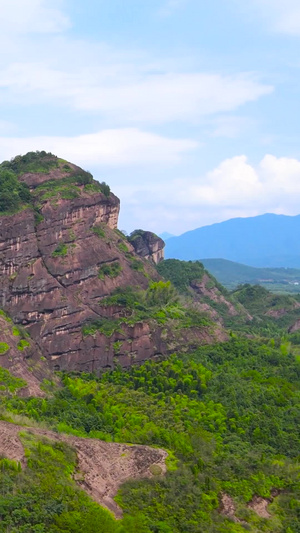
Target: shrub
pixel 104 325
pixel 61 250
pixel 105 189
pixel 83 178
pixel 4 347
pixel 22 344
pixel 111 270
pixel 136 264
pixel 12 192
pixel 99 231
pixel 122 247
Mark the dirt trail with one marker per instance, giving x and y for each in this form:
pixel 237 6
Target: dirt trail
pixel 103 466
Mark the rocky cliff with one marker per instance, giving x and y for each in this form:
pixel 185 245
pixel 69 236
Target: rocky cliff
pixel 148 245
pixel 61 256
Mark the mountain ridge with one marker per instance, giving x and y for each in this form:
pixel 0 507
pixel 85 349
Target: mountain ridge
pixel 262 241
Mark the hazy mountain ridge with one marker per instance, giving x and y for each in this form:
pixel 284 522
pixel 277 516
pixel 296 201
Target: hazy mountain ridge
pixel 231 274
pixel 264 241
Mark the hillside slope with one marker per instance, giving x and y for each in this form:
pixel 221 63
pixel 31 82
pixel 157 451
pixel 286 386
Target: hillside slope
pixel 263 241
pixel 231 274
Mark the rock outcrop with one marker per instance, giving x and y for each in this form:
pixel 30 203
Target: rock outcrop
pixel 61 254
pixel 148 245
pixel 21 356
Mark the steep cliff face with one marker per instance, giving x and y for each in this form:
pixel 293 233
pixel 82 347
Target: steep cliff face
pixel 57 264
pixel 21 356
pixel 61 255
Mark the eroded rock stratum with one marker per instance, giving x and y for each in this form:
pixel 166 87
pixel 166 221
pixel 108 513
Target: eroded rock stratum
pixel 61 256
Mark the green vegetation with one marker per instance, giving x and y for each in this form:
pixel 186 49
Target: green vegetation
pixel 105 189
pixel 22 344
pixel 181 273
pixel 16 332
pixel 33 162
pixel 99 231
pixel 43 498
pixel 135 264
pixel 273 314
pixel 123 247
pixel 159 303
pixel 5 316
pixel 4 347
pixel 8 383
pixel 231 274
pixel 229 415
pixel 13 193
pixel 104 325
pixel 61 250
pixel 112 270
pixel 67 188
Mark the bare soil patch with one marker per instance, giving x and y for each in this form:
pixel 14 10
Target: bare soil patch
pixel 102 466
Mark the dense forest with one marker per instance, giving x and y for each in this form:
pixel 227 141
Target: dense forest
pixel 227 414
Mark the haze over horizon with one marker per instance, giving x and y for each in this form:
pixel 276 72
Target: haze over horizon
pixel 187 111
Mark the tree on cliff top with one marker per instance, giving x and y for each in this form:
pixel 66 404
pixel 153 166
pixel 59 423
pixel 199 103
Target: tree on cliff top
pixel 12 192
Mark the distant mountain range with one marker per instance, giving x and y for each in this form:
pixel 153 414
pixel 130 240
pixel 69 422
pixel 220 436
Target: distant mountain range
pixel 264 241
pixel 231 274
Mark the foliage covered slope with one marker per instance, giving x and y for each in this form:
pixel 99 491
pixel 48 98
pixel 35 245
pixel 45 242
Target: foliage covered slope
pixel 228 413
pixel 231 274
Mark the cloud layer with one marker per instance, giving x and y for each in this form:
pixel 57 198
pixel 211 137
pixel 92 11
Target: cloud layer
pixel 234 188
pixel 111 148
pixel 121 87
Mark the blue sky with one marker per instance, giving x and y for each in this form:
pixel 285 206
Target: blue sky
pixel 188 109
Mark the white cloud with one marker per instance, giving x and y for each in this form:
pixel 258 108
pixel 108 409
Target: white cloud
pixel 234 188
pixel 32 16
pixel 112 148
pixel 131 95
pixel 282 16
pixel 123 88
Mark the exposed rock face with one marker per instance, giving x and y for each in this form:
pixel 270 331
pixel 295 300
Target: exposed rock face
pixel 205 288
pixel 61 255
pixel 49 274
pixel 53 295
pixel 148 245
pixel 22 357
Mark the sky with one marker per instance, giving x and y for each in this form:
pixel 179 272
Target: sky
pixel 189 110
